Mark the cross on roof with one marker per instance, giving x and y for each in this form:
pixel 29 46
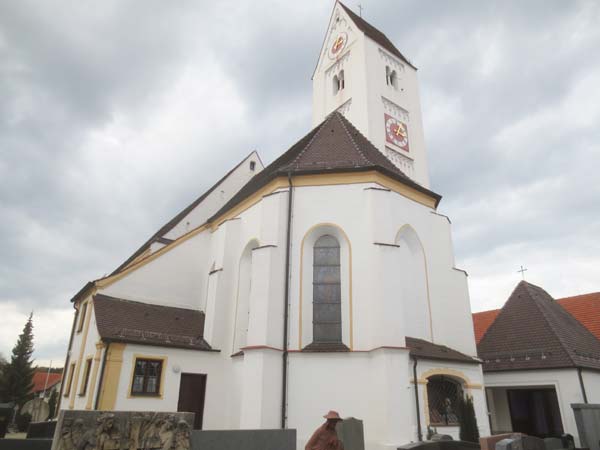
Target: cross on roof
pixel 522 270
pixel 360 8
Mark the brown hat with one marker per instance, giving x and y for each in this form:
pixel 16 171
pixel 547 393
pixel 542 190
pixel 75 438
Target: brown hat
pixel 332 415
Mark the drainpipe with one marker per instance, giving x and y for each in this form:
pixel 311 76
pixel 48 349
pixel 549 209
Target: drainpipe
pixel 416 383
pixel 286 305
pixel 97 401
pixel 585 400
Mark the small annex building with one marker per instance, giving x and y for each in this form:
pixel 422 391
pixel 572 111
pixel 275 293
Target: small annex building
pixel 538 359
pixel 325 280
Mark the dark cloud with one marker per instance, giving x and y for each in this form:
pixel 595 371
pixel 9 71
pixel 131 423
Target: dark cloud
pixel 115 116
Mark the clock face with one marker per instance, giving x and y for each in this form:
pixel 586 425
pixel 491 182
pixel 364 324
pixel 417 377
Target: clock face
pixel 396 132
pixel 338 45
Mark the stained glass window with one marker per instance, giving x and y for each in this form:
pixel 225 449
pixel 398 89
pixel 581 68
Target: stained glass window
pixel 327 308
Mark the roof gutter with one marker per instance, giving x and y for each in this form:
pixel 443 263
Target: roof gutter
pixel 286 304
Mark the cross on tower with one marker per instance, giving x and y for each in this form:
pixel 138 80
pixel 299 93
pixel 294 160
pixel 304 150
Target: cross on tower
pixel 360 8
pixel 522 270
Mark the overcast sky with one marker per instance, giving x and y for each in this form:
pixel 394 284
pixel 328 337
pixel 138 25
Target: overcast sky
pixel 115 115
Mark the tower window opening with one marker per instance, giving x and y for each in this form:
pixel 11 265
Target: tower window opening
pixel 252 165
pixel 338 82
pixel 391 77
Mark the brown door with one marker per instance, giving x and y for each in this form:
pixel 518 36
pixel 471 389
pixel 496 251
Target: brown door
pixel 191 396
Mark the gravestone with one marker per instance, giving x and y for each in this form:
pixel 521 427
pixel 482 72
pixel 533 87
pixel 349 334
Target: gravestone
pixel 532 443
pixel 350 432
pixel 587 418
pixel 441 437
pixel 489 442
pixel 553 443
pixel 510 444
pixel 244 439
pixel 122 430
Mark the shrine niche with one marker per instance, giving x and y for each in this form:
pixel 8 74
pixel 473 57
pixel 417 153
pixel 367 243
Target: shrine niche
pixel 122 430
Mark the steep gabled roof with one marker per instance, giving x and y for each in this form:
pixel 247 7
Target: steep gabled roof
pixel 374 34
pixel 156 237
pixel 585 308
pixel 120 320
pixel 334 145
pixel 532 331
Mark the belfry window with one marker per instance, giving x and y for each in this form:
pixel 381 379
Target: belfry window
pixel 338 82
pixel 327 307
pixel 391 77
pixel 443 394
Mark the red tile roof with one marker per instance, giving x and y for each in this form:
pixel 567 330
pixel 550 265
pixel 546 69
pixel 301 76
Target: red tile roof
pixel 585 308
pixel 39 380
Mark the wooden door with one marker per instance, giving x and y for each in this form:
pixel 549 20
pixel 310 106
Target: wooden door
pixel 192 388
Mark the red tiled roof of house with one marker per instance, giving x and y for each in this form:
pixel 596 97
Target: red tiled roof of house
pixel 39 380
pixel 585 308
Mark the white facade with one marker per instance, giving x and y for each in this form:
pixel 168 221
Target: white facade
pixel 398 279
pixel 564 381
pixel 369 94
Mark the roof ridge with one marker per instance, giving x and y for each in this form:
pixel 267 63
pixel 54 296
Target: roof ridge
pixel 311 140
pixel 352 139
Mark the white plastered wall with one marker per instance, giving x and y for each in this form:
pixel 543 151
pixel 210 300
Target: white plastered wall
pixel 565 381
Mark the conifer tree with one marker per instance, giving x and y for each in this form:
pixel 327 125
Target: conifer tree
pixel 467 419
pixel 18 373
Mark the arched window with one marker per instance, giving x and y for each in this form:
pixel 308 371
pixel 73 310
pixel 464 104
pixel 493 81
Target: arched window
pixel 327 305
pixel 394 79
pixel 443 394
pixel 336 84
pixel 242 313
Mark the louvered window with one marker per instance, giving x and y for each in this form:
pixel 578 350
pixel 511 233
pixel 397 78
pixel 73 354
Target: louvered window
pixel 327 307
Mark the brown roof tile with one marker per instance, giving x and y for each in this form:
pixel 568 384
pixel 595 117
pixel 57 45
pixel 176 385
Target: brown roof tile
pixel 335 145
pixel 121 320
pixel 532 331
pixel 421 348
pixel 375 34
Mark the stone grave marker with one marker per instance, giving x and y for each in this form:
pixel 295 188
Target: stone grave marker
pixel 510 444
pixel 350 432
pixel 552 443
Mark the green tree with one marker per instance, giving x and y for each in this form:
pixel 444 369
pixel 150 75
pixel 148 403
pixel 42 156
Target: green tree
pixel 18 373
pixel 467 419
pixel 3 364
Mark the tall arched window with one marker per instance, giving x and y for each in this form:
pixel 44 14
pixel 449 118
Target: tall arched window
pixel 242 313
pixel 327 305
pixel 443 394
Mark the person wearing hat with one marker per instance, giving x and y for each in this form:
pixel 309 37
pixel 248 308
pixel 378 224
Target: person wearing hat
pixel 325 437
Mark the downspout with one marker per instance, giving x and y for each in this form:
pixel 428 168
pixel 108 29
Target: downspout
pixel 286 305
pixel 585 400
pixel 65 373
pixel 416 383
pixel 97 401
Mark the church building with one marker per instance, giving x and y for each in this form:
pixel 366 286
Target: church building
pixel 325 280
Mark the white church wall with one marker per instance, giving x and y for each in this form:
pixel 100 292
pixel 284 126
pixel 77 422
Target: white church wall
pixel 176 278
pixel 178 361
pixel 591 381
pixel 565 381
pixel 337 381
pixel 218 197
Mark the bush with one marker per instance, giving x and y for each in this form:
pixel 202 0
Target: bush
pixel 468 421
pixel 23 421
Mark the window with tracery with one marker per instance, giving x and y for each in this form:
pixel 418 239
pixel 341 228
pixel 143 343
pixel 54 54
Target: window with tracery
pixel 327 305
pixel 443 394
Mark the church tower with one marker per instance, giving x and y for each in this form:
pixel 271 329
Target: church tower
pixel 361 74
